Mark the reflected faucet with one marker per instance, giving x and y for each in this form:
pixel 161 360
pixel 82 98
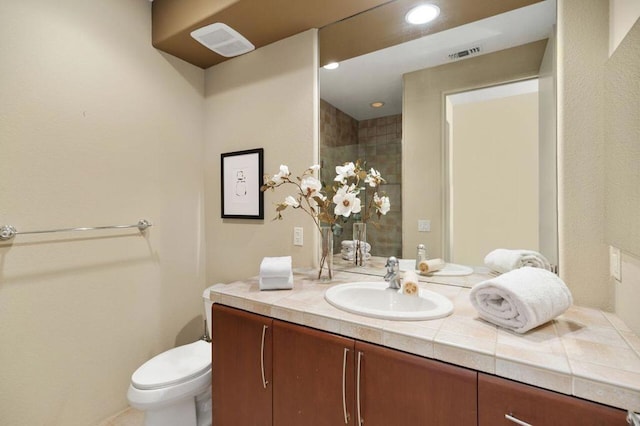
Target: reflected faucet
pixel 393 273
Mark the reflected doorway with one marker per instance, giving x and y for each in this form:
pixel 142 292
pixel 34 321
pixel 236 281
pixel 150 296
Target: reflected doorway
pixel 492 171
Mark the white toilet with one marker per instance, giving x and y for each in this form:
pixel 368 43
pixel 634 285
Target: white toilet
pixel 174 387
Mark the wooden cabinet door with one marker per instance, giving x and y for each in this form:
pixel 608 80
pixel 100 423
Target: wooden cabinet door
pixel 498 398
pixel 241 345
pixel 313 374
pixel 396 388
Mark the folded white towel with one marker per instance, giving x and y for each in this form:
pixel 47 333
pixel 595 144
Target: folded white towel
pixel 276 273
pixel 350 252
pixel 276 283
pixel 505 260
pixel 521 299
pixel 351 244
pixel 352 256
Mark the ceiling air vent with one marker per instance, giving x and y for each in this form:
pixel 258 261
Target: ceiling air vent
pixel 223 40
pixel 463 53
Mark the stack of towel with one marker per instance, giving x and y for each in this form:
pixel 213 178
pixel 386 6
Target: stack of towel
pixel 505 260
pixel 348 251
pixel 276 273
pixel 521 299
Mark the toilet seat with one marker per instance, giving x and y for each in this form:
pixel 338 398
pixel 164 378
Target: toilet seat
pixel 177 365
pixel 183 379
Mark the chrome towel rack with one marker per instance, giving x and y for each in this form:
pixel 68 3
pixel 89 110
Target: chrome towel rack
pixel 7 232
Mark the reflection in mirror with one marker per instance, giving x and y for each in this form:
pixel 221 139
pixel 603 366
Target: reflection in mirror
pixel 405 138
pixel 378 142
pixel 496 127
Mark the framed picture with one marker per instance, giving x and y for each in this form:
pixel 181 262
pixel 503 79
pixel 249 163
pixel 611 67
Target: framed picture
pixel 242 174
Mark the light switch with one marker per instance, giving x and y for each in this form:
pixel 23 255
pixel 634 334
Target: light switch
pixel 614 263
pixel 298 236
pixel 424 225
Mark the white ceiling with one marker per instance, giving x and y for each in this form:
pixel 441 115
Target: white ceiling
pixel 377 76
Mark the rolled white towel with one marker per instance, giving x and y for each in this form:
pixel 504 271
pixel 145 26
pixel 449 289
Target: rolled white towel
pixel 410 284
pixel 505 260
pixel 276 273
pixel 521 299
pixel 430 265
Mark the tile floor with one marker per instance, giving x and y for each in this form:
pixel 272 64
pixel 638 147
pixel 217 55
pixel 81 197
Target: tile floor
pixel 128 417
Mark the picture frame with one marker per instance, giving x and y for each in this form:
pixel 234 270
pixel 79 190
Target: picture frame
pixel 241 178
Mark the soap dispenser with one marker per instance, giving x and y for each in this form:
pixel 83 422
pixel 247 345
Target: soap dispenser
pixel 421 254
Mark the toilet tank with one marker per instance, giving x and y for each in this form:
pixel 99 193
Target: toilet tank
pixel 207 308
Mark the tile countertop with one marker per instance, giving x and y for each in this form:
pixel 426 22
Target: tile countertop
pixel 584 352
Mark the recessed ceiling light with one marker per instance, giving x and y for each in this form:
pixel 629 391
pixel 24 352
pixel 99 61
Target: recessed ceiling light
pixel 331 66
pixel 422 14
pixel 376 104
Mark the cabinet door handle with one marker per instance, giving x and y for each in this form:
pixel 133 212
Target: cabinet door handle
pixel 358 388
pixel 344 386
pixel 516 420
pixel 264 331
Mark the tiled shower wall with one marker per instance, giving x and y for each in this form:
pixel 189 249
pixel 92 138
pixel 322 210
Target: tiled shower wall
pixel 378 142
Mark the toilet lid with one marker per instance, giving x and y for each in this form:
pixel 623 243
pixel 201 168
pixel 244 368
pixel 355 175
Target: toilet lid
pixel 174 366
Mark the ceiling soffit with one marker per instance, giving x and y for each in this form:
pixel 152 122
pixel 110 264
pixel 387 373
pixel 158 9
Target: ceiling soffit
pixel 261 21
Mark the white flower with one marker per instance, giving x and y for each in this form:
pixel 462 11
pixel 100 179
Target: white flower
pixel 373 178
pixel 310 186
pixel 284 172
pixel 315 167
pixel 290 201
pixel 346 201
pixel 345 171
pixel 383 205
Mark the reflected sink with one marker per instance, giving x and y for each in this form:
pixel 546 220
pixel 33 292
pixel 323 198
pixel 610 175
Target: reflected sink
pixel 374 299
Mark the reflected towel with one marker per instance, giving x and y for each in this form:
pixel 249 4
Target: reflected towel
pixel 430 266
pixel 352 256
pixel 505 260
pixel 521 299
pixel 351 245
pixel 276 273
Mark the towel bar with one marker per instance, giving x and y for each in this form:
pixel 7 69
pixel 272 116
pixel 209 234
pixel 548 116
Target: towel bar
pixel 7 232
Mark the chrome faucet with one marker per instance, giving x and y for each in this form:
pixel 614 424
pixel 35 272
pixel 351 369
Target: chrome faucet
pixel 393 273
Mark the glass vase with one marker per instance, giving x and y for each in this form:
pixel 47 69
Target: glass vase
pixel 360 251
pixel 325 269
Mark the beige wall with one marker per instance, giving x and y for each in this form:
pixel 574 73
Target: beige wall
pixel 494 142
pixel 622 136
pixel 266 98
pixel 98 128
pixel 582 50
pixel 622 15
pixel 422 132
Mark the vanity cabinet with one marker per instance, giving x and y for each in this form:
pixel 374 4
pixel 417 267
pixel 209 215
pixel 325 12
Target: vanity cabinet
pixel 270 372
pixel 396 388
pixel 315 378
pixel 508 403
pixel 241 348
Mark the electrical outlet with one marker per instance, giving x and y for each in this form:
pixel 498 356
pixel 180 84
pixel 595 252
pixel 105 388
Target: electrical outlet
pixel 298 236
pixel 614 263
pixel 424 225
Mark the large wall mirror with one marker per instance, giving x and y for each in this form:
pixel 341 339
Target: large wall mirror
pixel 460 190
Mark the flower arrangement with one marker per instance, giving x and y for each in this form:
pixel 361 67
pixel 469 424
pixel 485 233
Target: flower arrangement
pixel 327 205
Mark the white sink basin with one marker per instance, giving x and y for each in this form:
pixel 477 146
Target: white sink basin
pixel 374 299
